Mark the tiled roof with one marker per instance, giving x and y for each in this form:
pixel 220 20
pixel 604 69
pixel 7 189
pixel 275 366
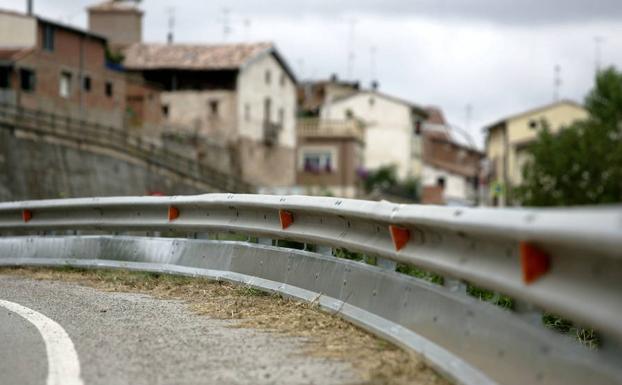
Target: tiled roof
pixel 435 115
pixel 142 56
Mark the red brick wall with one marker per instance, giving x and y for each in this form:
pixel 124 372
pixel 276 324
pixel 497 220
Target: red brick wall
pixel 70 50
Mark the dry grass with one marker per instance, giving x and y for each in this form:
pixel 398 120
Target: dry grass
pixel 377 361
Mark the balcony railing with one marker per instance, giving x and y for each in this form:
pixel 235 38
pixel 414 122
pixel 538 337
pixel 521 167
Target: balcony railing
pixel 271 133
pixel 312 127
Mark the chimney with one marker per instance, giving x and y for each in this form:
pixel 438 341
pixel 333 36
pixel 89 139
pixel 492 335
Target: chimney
pixel 375 85
pixel 333 78
pixel 169 38
pixel 29 7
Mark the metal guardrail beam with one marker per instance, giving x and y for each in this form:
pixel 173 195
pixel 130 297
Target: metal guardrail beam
pixel 580 248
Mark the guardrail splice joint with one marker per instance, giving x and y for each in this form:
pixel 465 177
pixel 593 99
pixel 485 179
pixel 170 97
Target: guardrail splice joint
pixel 400 236
pixel 535 262
pixel 286 218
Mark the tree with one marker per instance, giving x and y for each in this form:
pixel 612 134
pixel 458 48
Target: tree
pixel 582 164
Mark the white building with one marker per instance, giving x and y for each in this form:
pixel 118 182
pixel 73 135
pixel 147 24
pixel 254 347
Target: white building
pixel 241 94
pixel 392 129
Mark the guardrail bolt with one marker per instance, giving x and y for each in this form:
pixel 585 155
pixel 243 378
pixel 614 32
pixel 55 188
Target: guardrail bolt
pixel 286 218
pixel 173 213
pixel 400 236
pixel 26 215
pixel 535 262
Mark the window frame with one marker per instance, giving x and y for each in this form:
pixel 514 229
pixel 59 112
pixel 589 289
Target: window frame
pixel 49 37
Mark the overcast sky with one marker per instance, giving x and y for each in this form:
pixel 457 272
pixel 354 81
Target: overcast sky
pixel 498 56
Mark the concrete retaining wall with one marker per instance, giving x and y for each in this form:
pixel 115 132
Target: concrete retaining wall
pixel 37 167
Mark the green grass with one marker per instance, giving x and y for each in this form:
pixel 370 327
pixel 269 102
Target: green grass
pixel 420 273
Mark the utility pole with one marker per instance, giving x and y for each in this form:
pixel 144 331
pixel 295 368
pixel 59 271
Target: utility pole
pixel 171 24
pixel 372 64
pixel 226 23
pixel 351 55
pixel 247 29
pixel 468 114
pixel 598 41
pixel 557 82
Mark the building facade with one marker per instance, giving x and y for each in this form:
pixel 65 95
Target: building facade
pixel 392 129
pixel 120 22
pixel 241 95
pixel 508 139
pixel 57 68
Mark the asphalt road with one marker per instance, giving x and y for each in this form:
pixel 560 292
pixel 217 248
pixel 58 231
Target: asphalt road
pixel 121 338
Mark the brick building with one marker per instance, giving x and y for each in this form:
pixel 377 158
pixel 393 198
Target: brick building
pixel 58 68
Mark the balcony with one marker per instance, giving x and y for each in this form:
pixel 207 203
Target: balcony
pixel 320 128
pixel 271 133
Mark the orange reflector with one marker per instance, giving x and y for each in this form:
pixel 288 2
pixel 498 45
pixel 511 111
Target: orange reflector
pixel 535 262
pixel 173 213
pixel 26 215
pixel 400 236
pixel 286 218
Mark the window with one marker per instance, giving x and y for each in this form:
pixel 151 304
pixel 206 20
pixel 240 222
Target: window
pixel 268 77
pixel 281 116
pixel 533 124
pixel 27 79
pixel 372 101
pixel 349 114
pixel 5 73
pixel 318 161
pixel 48 37
pixel 213 108
pixel 86 83
pixel 64 86
pixel 417 127
pixel 247 112
pixel 440 181
pixel 109 89
pixel 165 110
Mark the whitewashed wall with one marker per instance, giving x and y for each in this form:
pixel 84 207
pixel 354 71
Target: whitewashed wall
pixel 388 133
pixel 252 91
pixel 17 31
pixel 457 187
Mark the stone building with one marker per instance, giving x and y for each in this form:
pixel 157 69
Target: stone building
pixel 58 68
pixel 241 95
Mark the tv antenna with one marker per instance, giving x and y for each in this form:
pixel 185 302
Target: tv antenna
pixel 171 24
pixel 226 23
pixel 557 82
pixel 351 55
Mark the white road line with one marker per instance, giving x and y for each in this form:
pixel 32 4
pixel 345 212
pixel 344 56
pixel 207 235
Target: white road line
pixel 63 363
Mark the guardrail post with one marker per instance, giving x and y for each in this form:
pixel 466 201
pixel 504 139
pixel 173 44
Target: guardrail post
pixel 455 285
pixel 386 264
pixel 528 312
pixel 324 250
pixel 265 241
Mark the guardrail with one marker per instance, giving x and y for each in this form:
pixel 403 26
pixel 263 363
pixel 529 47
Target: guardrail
pixel 564 261
pixel 82 131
